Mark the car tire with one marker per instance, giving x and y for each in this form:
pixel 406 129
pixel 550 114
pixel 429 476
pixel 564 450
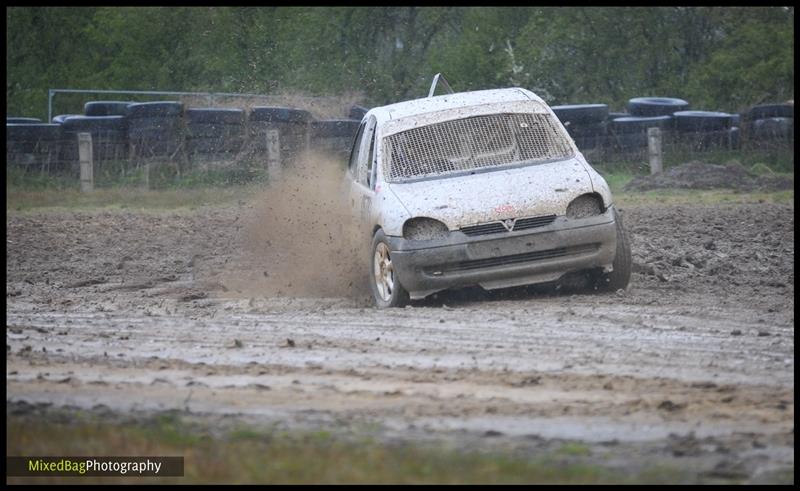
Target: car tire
pixel 614 115
pixel 32 132
pixel 621 275
pixel 92 124
pixel 357 112
pixel 772 128
pixel 59 119
pixel 106 108
pixel 702 121
pixel 334 128
pixel 385 285
pixel 588 130
pixel 23 120
pixel 656 106
pixel 640 124
pixel 274 114
pixel 218 116
pixel 214 130
pixel 581 114
pixel 160 109
pixel 764 111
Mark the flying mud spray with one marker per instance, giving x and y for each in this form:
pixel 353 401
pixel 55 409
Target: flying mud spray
pixel 300 239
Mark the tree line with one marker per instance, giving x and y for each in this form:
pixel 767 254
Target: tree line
pixel 718 58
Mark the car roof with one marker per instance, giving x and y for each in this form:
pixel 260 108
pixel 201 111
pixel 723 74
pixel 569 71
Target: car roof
pixel 457 100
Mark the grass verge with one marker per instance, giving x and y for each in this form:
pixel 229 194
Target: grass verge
pixel 120 198
pixel 33 191
pixel 246 454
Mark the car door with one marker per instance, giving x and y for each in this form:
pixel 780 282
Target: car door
pixel 352 171
pixel 363 168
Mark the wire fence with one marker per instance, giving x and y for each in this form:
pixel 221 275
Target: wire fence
pixel 181 140
pixel 162 135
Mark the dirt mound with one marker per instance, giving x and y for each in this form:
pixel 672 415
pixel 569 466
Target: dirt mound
pixel 712 249
pixel 699 175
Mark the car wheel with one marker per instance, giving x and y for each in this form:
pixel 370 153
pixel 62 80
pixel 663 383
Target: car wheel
pixel 386 287
pixel 621 275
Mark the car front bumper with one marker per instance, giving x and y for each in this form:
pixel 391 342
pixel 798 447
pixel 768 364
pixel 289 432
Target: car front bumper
pixel 507 259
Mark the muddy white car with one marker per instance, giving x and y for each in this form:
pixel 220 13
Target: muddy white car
pixel 479 188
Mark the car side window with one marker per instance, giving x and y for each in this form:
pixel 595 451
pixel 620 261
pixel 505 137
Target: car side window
pixel 366 154
pixel 371 167
pixel 356 147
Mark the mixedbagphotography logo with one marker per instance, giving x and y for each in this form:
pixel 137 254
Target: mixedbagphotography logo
pixel 147 466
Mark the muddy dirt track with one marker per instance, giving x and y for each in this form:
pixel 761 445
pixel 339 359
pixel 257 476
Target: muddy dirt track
pixel 693 366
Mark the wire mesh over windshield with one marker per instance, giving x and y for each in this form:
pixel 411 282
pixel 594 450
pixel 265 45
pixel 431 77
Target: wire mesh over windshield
pixel 472 143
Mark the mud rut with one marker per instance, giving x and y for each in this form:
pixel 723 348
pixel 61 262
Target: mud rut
pixel 692 366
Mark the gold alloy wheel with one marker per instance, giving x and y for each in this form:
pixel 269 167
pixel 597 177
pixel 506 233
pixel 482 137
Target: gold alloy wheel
pixel 384 272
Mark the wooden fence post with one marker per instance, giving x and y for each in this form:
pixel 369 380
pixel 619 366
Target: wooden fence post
pixel 86 161
pixel 654 147
pixel 273 155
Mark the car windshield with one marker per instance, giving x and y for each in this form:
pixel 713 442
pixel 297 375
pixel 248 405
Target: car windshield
pixel 467 144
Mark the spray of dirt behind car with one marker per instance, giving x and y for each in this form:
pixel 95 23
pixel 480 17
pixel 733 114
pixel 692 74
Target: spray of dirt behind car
pixel 299 238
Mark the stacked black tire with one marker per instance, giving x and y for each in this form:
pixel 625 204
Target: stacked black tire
pixel 292 125
pixel 214 132
pixel 155 129
pixel 106 108
pixel 13 120
pixel 629 133
pixel 59 119
pixel 109 138
pixel 707 130
pixel 770 124
pixel 357 112
pixel 586 124
pixel 334 136
pixel 32 145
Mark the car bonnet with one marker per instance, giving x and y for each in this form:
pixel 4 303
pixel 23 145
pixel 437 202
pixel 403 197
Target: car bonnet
pixel 532 190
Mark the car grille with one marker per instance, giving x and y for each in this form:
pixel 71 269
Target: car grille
pixel 516 225
pixel 471 143
pixel 515 259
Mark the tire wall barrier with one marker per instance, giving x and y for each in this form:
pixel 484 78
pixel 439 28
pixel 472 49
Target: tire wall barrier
pixel 292 126
pixel 167 130
pixel 34 146
pixel 109 138
pixel 593 126
pixel 155 129
pixel 214 131
pixel 334 136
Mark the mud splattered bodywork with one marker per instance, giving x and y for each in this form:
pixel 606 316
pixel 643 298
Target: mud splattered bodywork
pixel 472 166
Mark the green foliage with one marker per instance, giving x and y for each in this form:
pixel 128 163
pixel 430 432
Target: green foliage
pixel 718 58
pixel 45 48
pixel 752 64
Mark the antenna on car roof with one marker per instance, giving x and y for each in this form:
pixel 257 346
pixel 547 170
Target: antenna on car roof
pixel 436 78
